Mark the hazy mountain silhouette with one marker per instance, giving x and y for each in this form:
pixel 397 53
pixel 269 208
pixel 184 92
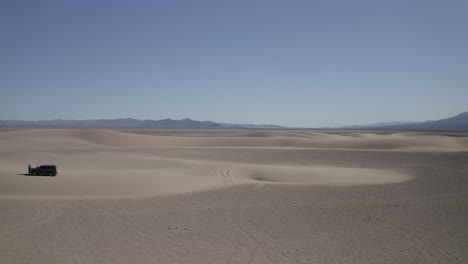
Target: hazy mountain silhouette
pixel 458 122
pixel 382 124
pixel 126 123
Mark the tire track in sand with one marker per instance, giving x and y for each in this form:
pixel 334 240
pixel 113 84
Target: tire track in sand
pixel 428 250
pixel 422 199
pixel 45 211
pixel 146 238
pixel 265 242
pixel 238 233
pixel 264 236
pixel 224 175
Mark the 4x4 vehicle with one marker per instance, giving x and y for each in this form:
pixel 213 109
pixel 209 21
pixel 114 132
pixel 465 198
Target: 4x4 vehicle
pixel 50 170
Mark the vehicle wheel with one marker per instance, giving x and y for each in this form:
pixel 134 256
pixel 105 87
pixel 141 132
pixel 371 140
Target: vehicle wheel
pixel 51 174
pixel 34 173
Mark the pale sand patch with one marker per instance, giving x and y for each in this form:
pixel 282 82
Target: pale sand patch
pixel 91 163
pixel 113 175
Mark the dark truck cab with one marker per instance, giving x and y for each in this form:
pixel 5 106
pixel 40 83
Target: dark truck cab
pixel 50 170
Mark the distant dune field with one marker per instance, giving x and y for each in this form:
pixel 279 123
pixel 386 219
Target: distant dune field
pixel 233 196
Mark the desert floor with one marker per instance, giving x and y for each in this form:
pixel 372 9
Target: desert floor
pixel 233 196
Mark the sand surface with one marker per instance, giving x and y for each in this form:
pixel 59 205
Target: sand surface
pixel 233 196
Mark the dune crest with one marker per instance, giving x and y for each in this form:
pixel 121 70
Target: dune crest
pixel 45 138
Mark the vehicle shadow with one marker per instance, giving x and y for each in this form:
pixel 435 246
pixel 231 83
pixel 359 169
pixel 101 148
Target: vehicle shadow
pixel 26 174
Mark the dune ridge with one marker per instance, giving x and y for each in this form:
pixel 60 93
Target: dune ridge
pixel 40 138
pixel 103 171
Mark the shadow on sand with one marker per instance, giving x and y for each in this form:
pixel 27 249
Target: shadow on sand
pixel 26 174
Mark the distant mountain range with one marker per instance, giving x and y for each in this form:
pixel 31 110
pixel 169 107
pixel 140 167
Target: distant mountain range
pixel 128 123
pixel 391 123
pixel 458 122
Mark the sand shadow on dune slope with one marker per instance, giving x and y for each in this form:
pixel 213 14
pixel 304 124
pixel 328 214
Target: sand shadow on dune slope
pixel 318 175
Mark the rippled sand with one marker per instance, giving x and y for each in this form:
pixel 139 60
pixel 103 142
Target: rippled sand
pixel 233 196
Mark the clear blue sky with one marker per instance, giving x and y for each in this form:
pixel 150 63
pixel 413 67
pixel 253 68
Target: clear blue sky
pixel 297 63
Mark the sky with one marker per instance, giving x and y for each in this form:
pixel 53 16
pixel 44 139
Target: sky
pixel 294 63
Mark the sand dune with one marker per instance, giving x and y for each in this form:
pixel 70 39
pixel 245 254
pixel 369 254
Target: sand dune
pixel 42 138
pixel 233 196
pixel 111 175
